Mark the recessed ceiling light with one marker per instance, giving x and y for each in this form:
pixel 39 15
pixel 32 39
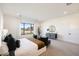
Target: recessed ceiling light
pixel 18 14
pixel 65 12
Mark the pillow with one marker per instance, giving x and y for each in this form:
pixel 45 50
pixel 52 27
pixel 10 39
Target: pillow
pixel 4 49
pixel 17 43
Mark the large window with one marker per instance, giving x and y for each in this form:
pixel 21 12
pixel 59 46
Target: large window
pixel 26 28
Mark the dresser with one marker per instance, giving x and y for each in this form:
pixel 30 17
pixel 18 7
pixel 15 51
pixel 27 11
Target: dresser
pixel 51 35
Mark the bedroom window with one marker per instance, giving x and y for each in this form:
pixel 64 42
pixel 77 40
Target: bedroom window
pixel 26 28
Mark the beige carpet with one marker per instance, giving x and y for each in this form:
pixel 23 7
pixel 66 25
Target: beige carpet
pixel 61 48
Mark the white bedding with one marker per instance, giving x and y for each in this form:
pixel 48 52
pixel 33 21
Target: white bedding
pixel 28 48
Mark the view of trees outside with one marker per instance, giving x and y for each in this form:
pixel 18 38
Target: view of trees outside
pixel 26 28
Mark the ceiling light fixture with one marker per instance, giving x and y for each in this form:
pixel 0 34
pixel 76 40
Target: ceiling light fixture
pixel 65 12
pixel 18 15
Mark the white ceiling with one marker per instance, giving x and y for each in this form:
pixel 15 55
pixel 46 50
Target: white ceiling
pixel 38 11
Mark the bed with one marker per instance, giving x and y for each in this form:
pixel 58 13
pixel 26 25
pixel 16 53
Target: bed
pixel 30 48
pixel 27 47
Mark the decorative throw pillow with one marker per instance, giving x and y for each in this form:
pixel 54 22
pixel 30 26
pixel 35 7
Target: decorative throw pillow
pixel 17 43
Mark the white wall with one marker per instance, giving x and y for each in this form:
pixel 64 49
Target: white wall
pixel 1 25
pixel 64 26
pixel 13 25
